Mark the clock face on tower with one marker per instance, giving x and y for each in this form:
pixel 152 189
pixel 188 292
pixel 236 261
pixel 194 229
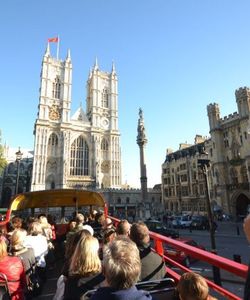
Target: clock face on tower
pixel 54 113
pixel 105 123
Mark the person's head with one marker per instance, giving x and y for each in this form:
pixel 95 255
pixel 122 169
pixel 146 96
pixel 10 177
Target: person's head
pixel 89 228
pixel 139 234
pixel 72 225
pixel 35 228
pixel 121 263
pixel 108 235
pixel 123 228
pixel 43 220
pixel 79 219
pixel 107 223
pixel 18 237
pixel 85 260
pixel 16 222
pixel 192 286
pixel 73 241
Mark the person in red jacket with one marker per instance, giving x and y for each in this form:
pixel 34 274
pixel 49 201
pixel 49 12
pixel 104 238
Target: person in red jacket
pixel 13 268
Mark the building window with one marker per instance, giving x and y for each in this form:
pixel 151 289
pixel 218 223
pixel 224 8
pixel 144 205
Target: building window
pixel 119 201
pixel 52 145
pixel 105 98
pixel 211 152
pixel 79 158
pixel 127 200
pixel 56 88
pixel 104 149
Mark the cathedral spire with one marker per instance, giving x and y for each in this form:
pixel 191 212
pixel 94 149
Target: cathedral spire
pixel 96 67
pixel 113 68
pixel 90 73
pixel 47 52
pixel 68 58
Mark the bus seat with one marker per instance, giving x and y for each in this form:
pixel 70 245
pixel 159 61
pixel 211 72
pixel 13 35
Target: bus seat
pixel 155 284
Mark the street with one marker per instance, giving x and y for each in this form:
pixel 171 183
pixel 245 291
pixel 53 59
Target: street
pixel 230 241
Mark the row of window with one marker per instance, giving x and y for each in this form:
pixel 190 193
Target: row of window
pixel 56 92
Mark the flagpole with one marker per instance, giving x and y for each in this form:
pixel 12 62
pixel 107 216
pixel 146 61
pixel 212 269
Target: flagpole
pixel 57 49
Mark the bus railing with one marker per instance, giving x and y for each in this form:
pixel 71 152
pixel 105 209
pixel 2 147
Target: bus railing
pixel 212 259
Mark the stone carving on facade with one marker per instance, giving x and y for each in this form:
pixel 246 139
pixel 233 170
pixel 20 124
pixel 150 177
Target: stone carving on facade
pixel 105 167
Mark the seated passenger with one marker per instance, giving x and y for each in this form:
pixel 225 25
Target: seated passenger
pixel 70 248
pixel 36 240
pixel 85 269
pixel 27 256
pixel 12 267
pixel 153 266
pixel 123 228
pixel 193 286
pixel 121 267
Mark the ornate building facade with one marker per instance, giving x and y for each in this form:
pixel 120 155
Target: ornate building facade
pixel 183 186
pixel 228 151
pixel 82 150
pixel 230 155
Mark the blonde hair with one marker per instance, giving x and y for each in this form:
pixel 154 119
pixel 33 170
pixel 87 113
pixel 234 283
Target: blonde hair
pixel 35 228
pixel 193 286
pixel 17 237
pixel 121 263
pixel 85 259
pixel 3 248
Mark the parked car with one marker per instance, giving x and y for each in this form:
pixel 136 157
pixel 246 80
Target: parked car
pixel 199 222
pixel 158 227
pixel 179 255
pixel 182 221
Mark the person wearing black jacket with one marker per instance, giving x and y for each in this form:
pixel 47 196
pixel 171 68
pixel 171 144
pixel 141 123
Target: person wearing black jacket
pixel 152 264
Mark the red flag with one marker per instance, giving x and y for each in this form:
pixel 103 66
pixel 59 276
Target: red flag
pixel 53 40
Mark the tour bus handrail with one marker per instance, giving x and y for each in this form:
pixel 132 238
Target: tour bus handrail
pixel 226 264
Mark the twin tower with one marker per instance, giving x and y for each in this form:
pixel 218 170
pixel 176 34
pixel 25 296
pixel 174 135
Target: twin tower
pixel 79 150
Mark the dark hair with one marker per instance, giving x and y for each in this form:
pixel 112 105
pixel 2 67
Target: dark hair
pixel 139 234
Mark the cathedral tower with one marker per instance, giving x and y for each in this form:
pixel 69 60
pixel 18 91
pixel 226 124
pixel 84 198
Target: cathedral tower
pixel 79 151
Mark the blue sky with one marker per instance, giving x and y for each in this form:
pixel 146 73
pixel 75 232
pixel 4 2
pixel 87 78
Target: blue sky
pixel 172 58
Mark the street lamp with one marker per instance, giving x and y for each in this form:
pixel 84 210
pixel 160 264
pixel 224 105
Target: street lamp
pixel 204 164
pixel 19 155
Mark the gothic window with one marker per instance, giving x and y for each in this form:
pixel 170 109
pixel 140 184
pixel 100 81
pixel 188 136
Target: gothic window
pixel 56 88
pixel 21 169
pixel 244 174
pixel 234 176
pixel 11 168
pixel 79 158
pixel 127 200
pixel 119 201
pixel 104 149
pixel 53 145
pixel 105 98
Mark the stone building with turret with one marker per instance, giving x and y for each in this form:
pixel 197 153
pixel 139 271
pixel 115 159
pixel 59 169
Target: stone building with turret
pixel 229 153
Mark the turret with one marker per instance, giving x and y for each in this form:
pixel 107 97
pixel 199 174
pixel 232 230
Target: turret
pixel 243 101
pixel 213 112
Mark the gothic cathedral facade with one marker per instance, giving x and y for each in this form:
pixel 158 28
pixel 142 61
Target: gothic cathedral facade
pixel 79 150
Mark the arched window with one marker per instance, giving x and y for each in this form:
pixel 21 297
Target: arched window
pixel 244 174
pixel 104 149
pixel 127 200
pixel 11 168
pixel 105 98
pixel 56 88
pixel 234 175
pixel 119 201
pixel 79 157
pixel 53 145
